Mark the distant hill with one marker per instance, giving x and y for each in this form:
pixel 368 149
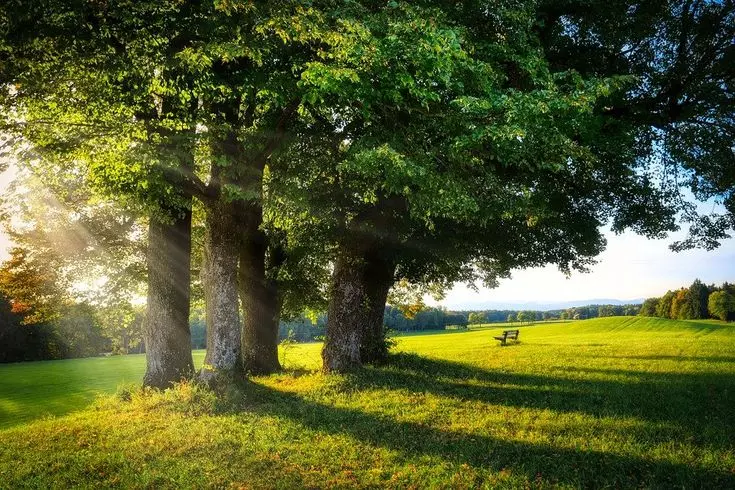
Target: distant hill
pixel 540 306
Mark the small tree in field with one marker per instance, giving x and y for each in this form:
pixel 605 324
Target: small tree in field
pixel 476 318
pixel 721 304
pixel 649 307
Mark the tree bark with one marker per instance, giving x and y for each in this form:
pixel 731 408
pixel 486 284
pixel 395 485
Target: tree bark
pixel 219 278
pixel 259 297
pixel 360 285
pixel 379 277
pixel 167 335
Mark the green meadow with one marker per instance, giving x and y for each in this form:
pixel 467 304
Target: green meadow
pixel 609 402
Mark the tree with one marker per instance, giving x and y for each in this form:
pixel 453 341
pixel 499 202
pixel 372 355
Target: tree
pixel 122 324
pixel 681 305
pixel 398 221
pixel 697 297
pixel 178 66
pixel 721 305
pixel 605 310
pixel 12 339
pixel 476 318
pixel 663 310
pixel 44 320
pixel 680 55
pixel 649 307
pixel 33 286
pixel 632 310
pixel 630 110
pixel 511 318
pixel 125 119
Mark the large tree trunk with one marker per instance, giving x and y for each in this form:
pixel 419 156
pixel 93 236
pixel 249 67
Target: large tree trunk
pixel 167 335
pixel 259 297
pixel 219 278
pixel 379 277
pixel 360 285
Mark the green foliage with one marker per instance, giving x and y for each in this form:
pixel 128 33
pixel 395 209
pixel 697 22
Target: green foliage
pixel 663 310
pixel 686 303
pixel 649 307
pixel 476 317
pixel 698 294
pixel 526 316
pixel 680 56
pixel 18 341
pixel 721 305
pixel 606 310
pixel 198 327
pixel 681 305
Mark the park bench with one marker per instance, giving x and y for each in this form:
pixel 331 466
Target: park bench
pixel 507 335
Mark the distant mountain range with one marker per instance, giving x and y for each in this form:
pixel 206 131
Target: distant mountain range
pixel 539 306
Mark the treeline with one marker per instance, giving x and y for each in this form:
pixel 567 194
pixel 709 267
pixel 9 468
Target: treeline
pixel 75 330
pixel 426 319
pixel 439 318
pixel 698 301
pixel 596 311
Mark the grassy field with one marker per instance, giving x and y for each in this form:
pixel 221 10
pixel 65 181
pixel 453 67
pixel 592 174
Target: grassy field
pixel 615 402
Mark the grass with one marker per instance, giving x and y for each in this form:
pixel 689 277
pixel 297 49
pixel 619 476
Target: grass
pixel 614 402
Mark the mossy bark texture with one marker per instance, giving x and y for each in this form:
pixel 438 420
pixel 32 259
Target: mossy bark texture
pixel 355 334
pixel 167 334
pixel 259 298
pixel 219 278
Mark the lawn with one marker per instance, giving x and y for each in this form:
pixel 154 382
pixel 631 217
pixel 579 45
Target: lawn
pixel 616 402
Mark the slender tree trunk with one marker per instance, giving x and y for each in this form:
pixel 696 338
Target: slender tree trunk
pixel 259 297
pixel 360 285
pixel 219 278
pixel 167 335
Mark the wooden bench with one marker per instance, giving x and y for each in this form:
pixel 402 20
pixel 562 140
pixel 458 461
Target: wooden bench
pixel 507 335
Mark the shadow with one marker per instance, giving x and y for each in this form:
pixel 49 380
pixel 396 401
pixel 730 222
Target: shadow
pixel 543 463
pixel 695 407
pixel 726 359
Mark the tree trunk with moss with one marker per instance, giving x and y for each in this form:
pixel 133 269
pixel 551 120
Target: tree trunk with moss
pixel 259 297
pixel 167 335
pixel 219 279
pixel 355 330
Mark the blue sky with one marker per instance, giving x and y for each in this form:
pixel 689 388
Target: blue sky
pixel 631 267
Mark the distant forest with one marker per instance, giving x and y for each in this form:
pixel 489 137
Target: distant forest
pixel 697 302
pixel 437 318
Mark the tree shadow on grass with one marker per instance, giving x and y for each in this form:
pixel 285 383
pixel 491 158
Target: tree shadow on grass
pixel 552 464
pixel 695 407
pixel 717 359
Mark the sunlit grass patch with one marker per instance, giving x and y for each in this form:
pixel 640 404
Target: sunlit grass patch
pixel 621 402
